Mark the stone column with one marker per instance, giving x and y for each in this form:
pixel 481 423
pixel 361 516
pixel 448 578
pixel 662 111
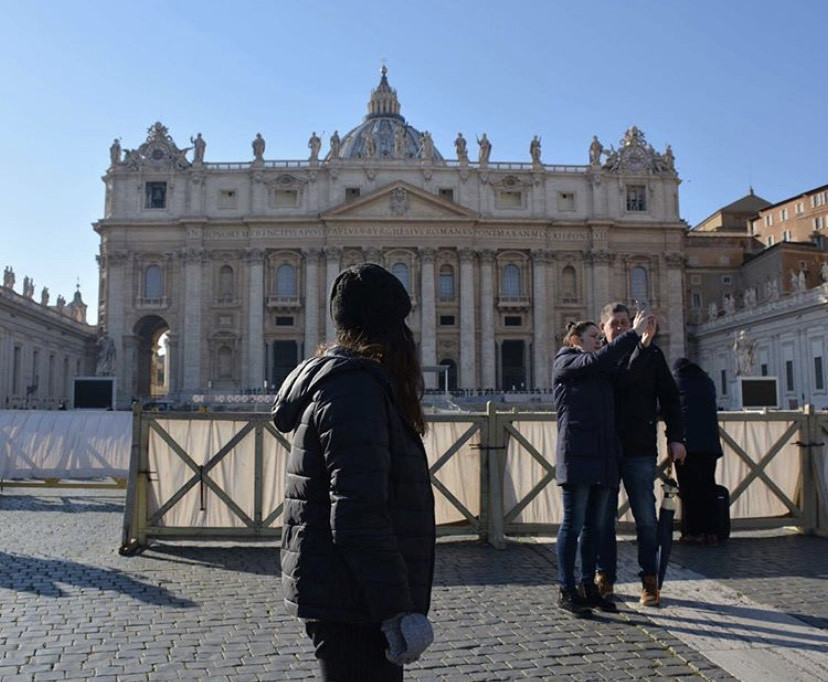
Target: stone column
pixel 311 301
pixel 488 363
pixel 428 312
pixel 540 334
pixel 116 281
pixel 468 378
pixel 675 305
pixel 600 293
pixel 193 260
pixel 332 255
pixel 254 346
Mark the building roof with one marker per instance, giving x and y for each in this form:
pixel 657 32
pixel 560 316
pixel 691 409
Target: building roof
pixel 797 196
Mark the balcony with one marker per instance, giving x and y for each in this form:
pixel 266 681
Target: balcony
pixel 279 302
pixel 513 302
pixel 154 303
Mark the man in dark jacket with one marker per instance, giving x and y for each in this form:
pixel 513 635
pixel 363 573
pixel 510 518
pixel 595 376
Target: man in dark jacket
pixel 697 478
pixel 636 417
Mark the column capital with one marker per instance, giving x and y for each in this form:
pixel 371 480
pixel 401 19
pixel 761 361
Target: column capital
pixel 372 254
pixel 192 256
pixel 486 256
pixel 540 256
pixel 115 258
pixel 427 254
pixel 333 252
pixel 599 257
pixel 675 259
pixel 312 254
pixel 467 255
pixel 253 255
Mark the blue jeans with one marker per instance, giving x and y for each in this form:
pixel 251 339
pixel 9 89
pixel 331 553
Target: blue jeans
pixel 583 515
pixel 638 475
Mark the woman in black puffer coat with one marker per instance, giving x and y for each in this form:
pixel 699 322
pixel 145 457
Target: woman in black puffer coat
pixel 358 534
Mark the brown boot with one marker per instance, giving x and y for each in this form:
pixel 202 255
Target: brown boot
pixel 650 595
pixel 604 584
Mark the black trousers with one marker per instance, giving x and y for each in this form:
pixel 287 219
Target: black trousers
pixel 697 488
pixel 352 652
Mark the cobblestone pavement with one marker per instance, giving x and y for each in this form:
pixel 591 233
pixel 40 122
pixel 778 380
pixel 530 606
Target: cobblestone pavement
pixel 72 609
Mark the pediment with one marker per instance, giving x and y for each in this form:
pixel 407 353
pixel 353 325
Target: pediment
pixel 399 201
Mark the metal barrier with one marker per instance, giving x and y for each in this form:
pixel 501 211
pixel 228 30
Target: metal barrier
pixel 221 475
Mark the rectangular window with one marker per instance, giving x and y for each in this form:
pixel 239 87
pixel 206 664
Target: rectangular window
pixel 284 321
pixel 566 201
pixel 227 198
pixel 446 320
pixel 770 240
pixel 789 377
pixel 446 193
pixel 509 198
pixel 286 198
pixel 697 299
pixel 763 370
pixel 819 222
pixel 783 214
pixel 800 208
pixel 512 321
pixel 636 198
pixel 695 279
pixel 786 235
pixel 351 193
pixel 724 382
pixel 156 195
pixel 819 376
pixel 727 280
pixel 768 220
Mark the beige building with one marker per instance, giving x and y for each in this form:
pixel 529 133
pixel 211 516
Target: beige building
pixel 233 260
pixel 42 346
pixel 765 284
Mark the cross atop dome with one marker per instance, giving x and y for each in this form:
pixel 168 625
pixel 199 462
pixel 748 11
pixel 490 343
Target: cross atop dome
pixel 383 100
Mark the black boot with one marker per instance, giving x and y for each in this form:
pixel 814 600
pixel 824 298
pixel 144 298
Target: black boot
pixel 592 597
pixel 571 601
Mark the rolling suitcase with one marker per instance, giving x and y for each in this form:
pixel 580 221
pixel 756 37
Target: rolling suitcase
pixel 722 513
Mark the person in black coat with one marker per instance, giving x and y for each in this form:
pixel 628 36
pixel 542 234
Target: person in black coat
pixel 697 477
pixel 588 450
pixel 358 534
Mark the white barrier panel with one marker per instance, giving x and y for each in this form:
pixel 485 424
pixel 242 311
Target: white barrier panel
pixel 755 437
pixel 70 444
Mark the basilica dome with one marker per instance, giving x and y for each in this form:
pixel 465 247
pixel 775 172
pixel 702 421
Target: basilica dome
pixel 385 129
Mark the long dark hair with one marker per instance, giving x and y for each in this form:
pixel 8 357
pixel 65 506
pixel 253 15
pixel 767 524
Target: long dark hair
pixel 393 347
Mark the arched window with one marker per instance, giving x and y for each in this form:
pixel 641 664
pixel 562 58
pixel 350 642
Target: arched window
pixel 569 283
pixel 225 363
pixel 225 281
pixel 286 280
pixel 510 285
pixel 153 283
pixel 446 283
pixel 400 271
pixel 638 284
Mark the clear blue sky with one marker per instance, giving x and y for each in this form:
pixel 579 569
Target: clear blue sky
pixel 737 88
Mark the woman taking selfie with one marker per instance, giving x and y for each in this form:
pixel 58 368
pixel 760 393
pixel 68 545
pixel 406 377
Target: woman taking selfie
pixel 587 451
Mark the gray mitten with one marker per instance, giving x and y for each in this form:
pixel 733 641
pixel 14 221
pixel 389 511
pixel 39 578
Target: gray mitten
pixel 408 636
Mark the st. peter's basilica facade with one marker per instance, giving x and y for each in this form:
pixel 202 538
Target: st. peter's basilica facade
pixel 233 260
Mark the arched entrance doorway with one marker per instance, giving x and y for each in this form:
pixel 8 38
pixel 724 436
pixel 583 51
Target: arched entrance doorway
pixel 153 357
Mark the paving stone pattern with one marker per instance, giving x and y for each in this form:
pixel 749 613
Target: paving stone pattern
pixel 71 608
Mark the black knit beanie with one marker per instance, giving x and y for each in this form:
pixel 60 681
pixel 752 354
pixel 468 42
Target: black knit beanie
pixel 368 297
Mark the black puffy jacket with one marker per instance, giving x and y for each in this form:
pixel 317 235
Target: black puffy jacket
pixel 640 401
pixel 588 448
pixel 358 533
pixel 697 394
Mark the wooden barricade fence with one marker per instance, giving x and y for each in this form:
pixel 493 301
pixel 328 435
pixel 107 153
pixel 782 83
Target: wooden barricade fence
pixel 221 475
